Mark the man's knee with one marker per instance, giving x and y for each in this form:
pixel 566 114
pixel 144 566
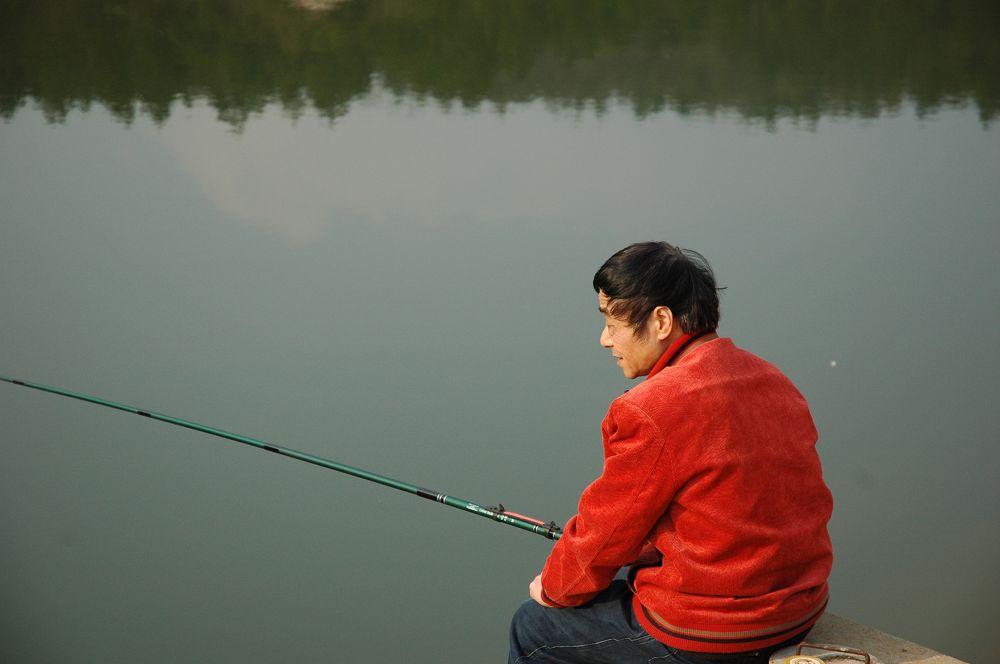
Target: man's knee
pixel 527 628
pixel 527 616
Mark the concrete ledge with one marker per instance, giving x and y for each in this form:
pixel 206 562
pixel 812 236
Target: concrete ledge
pixel 888 649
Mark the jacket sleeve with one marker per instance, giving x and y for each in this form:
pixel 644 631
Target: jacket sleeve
pixel 616 512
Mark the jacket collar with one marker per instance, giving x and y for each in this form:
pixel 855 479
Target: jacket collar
pixel 674 350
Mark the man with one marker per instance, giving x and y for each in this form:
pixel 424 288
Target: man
pixel 711 490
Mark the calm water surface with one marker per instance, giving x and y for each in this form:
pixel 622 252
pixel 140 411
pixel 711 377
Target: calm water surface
pixel 367 231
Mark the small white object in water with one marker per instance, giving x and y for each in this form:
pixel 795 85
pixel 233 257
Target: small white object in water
pixel 833 363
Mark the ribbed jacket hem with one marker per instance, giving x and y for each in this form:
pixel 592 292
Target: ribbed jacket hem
pixel 723 639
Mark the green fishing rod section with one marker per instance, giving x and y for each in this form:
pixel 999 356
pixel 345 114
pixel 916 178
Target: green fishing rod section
pixel 497 513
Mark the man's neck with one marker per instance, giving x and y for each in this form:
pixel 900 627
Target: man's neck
pixel 694 344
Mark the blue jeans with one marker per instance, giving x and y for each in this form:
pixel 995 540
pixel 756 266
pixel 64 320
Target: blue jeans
pixel 603 631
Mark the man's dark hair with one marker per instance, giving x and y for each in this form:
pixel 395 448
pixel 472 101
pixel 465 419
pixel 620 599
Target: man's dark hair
pixel 647 275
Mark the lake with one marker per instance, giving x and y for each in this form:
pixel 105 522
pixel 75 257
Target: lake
pixel 367 230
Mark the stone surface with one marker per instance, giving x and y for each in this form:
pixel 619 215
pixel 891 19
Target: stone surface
pixel 888 649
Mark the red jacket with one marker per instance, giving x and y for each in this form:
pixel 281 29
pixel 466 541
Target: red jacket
pixel 712 463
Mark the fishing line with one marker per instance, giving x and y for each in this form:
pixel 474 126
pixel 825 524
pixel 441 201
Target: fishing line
pixel 496 513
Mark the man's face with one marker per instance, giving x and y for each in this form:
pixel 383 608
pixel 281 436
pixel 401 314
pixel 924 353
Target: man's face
pixel 635 355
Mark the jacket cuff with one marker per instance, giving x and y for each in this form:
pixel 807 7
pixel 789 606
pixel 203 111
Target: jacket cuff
pixel 549 600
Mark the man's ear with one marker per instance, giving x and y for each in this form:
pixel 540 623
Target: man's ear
pixel 663 322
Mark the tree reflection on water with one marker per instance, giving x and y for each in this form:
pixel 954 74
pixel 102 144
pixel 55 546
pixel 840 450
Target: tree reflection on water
pixel 763 59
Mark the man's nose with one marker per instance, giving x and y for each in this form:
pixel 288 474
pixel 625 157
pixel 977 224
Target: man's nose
pixel 606 337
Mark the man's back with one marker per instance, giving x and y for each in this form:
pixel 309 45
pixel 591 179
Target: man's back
pixel 743 535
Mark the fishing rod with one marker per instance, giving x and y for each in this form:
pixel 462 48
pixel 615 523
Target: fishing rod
pixel 496 513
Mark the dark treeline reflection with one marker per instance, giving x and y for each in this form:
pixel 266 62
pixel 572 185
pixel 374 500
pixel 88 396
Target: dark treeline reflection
pixel 764 59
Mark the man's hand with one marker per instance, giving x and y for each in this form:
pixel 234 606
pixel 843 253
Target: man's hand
pixel 535 590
